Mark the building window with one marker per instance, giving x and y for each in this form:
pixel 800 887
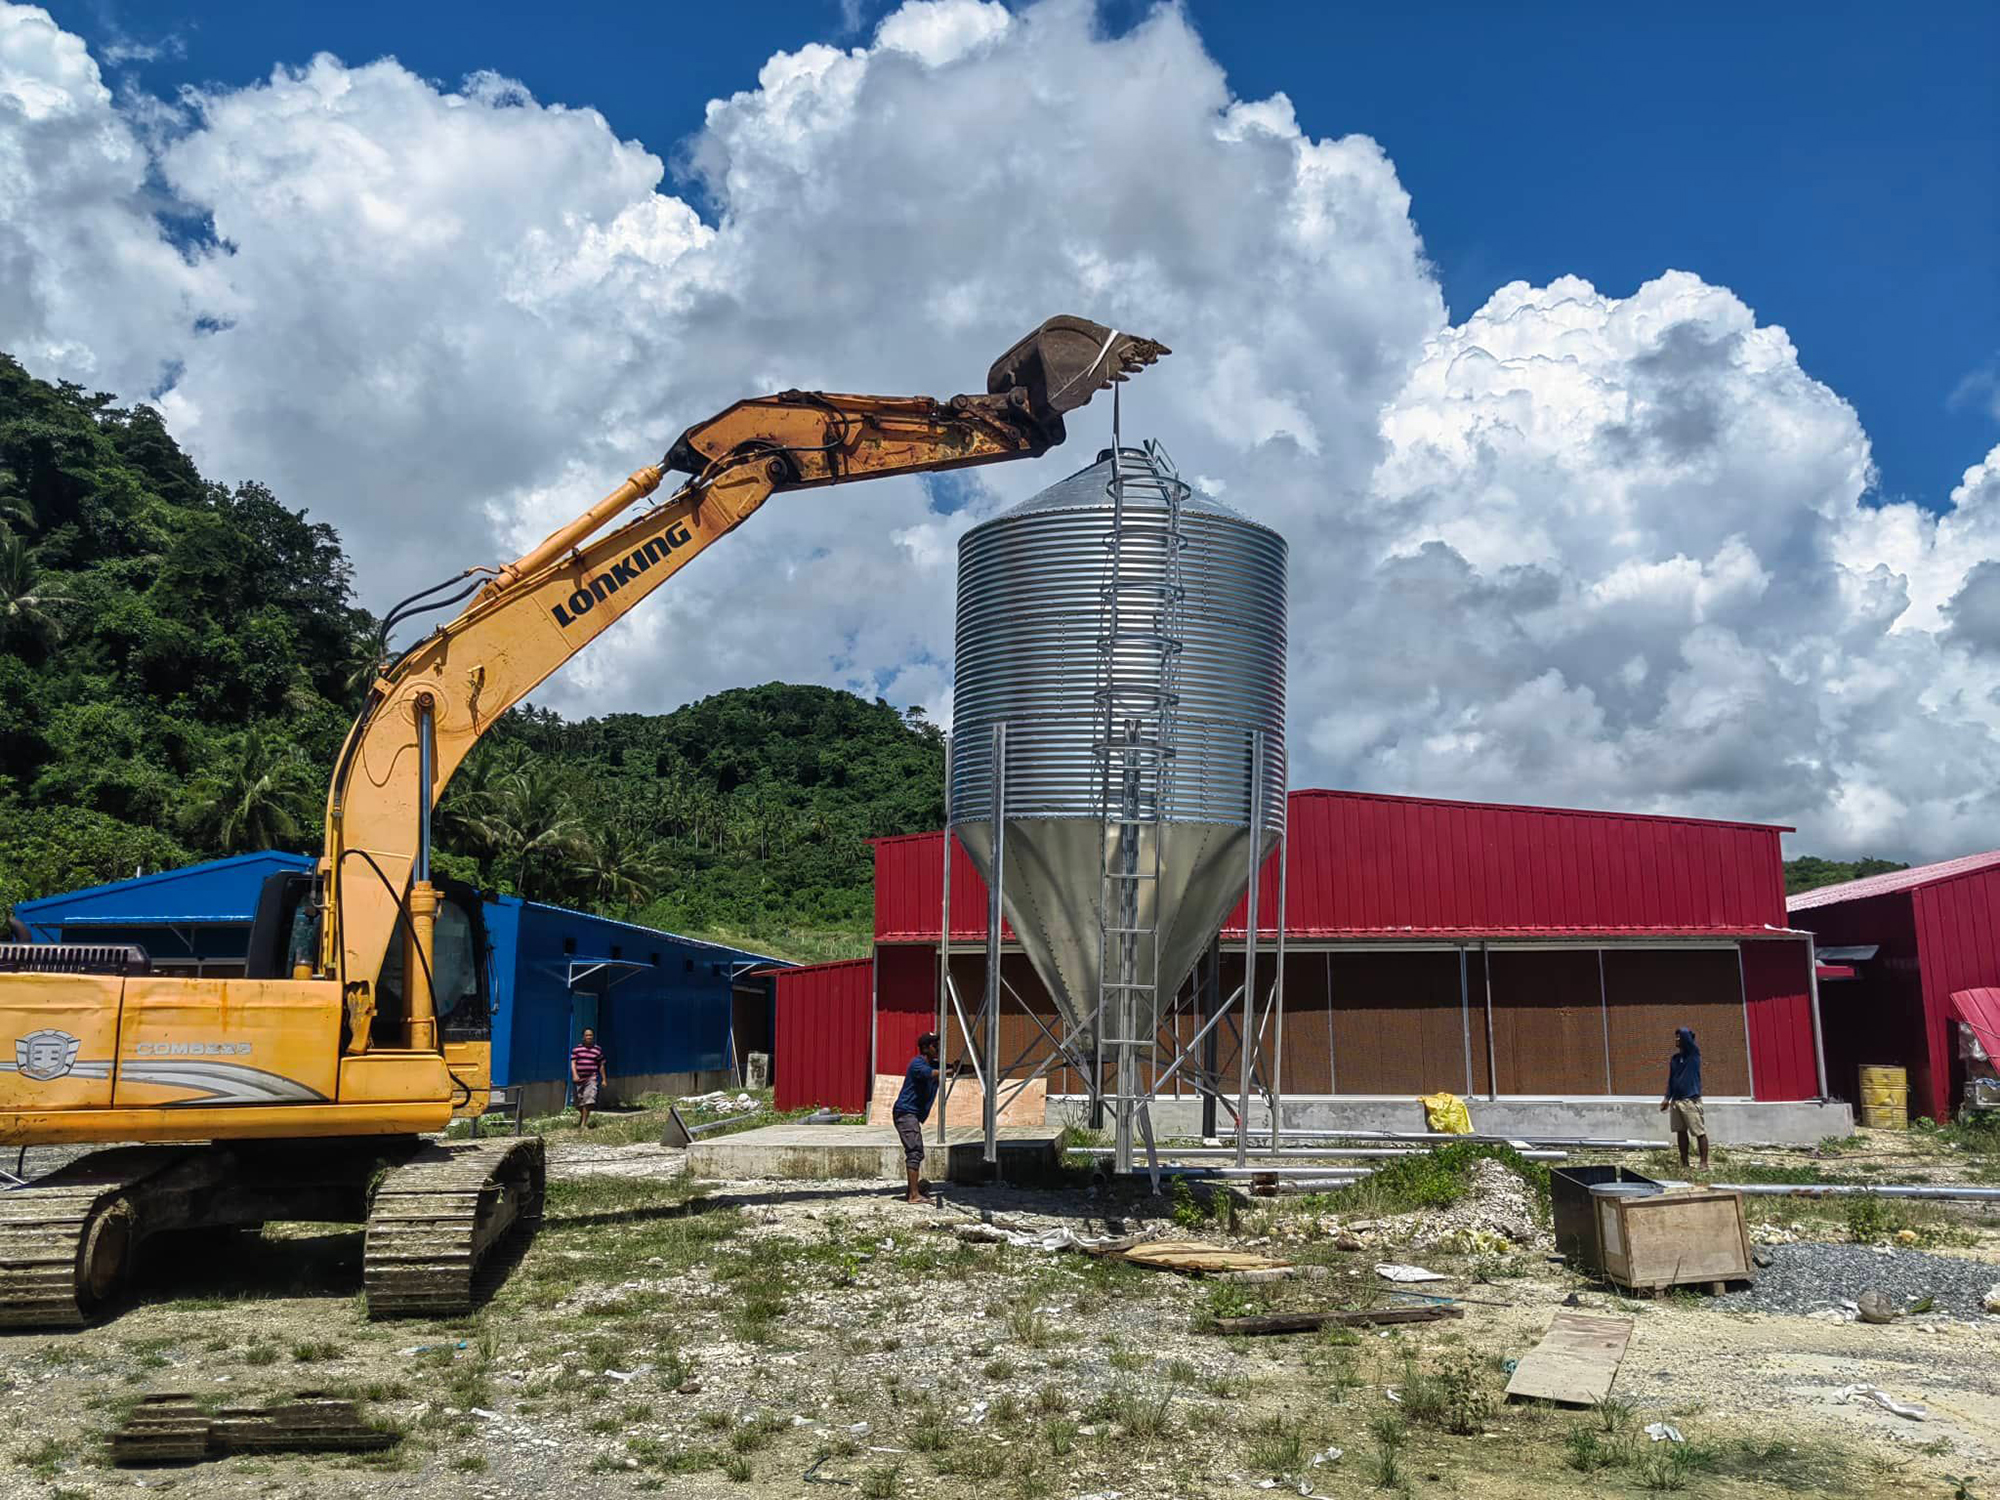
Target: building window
pixel 687 964
pixel 616 951
pixel 569 945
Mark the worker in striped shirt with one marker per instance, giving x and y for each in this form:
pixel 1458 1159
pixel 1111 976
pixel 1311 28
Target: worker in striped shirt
pixel 587 1074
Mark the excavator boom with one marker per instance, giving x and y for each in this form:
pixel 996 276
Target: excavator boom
pixel 429 708
pixel 305 1085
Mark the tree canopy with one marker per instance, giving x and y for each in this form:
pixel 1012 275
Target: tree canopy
pixel 179 661
pixel 1809 872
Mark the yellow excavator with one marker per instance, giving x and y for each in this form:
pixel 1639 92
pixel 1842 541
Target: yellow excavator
pixel 307 1089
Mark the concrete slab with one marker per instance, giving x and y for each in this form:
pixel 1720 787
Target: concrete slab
pixel 868 1153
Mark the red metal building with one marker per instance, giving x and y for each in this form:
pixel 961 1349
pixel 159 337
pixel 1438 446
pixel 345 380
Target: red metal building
pixel 1935 933
pixel 820 1053
pixel 1515 952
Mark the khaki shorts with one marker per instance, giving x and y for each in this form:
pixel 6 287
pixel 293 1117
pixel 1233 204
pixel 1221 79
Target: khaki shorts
pixel 1685 1115
pixel 586 1094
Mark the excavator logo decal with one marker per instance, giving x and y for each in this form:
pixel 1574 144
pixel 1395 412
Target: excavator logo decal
pixel 620 573
pixel 43 1055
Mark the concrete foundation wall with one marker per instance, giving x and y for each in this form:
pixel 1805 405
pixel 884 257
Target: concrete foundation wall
pixel 551 1096
pixel 1730 1122
pixel 865 1153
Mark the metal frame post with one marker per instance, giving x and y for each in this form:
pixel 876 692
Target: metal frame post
pixel 1465 1016
pixel 1211 1002
pixel 990 1103
pixel 1249 1037
pixel 1278 982
pixel 944 946
pixel 1812 978
pixel 1492 1065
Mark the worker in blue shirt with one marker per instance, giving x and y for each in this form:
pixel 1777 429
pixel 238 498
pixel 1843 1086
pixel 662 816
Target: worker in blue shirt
pixel 1684 1095
pixel 913 1107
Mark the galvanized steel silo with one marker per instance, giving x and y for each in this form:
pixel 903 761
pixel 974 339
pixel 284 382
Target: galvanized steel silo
pixel 1032 617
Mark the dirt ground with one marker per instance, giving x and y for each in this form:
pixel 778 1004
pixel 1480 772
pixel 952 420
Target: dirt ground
pixel 805 1339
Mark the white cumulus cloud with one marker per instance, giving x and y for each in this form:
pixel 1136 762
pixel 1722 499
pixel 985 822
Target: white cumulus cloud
pixel 1580 547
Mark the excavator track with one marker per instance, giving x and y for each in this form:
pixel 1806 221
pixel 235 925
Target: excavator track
pixel 67 1242
pixel 441 1223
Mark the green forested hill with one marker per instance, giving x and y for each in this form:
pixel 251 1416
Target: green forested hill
pixel 173 654
pixel 179 661
pixel 744 816
pixel 1809 872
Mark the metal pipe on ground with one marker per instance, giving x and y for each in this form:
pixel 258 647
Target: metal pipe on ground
pixel 1316 1174
pixel 1946 1191
pixel 1441 1138
pixel 1327 1153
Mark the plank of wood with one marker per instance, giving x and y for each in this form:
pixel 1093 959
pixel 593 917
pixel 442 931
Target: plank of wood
pixel 1575 1362
pixel 1306 1322
pixel 1194 1256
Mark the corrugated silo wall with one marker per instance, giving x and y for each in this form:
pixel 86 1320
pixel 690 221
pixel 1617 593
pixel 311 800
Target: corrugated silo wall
pixel 664 1024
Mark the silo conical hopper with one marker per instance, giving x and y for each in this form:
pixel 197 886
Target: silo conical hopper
pixel 1033 620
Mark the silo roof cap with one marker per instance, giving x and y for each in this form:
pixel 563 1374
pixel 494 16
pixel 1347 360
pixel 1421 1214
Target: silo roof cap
pixel 1088 489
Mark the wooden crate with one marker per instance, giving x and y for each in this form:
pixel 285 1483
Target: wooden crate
pixel 1691 1237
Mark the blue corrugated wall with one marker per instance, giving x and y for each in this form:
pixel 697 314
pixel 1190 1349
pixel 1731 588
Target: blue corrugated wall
pixel 661 1004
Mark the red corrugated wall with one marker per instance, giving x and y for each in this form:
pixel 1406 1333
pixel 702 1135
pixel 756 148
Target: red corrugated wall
pixel 1364 865
pixel 1777 995
pixel 909 871
pixel 820 1052
pixel 1958 945
pixel 908 1007
pixel 1361 864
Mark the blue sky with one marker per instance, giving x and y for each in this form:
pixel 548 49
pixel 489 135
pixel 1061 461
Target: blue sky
pixel 1837 166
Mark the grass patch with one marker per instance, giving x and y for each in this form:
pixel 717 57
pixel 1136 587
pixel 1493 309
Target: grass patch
pixel 1195 1209
pixel 1029 1328
pixel 313 1351
pixel 1432 1179
pixel 882 1484
pixel 44 1458
pixel 1278 1448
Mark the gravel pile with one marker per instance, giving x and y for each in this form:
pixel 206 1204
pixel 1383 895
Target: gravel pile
pixel 1809 1278
pixel 1495 1212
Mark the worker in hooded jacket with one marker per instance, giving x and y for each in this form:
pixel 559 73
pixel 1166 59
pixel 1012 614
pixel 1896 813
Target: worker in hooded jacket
pixel 1684 1095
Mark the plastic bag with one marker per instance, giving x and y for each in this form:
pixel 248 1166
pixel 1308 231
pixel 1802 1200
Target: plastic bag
pixel 1447 1114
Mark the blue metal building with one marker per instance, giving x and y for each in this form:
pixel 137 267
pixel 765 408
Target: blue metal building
pixel 674 1014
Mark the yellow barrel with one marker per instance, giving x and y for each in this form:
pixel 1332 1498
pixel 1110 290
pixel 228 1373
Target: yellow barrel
pixel 1885 1098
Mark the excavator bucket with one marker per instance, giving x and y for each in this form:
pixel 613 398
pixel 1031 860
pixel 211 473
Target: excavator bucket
pixel 1066 361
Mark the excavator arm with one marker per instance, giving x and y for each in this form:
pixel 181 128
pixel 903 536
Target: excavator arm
pixel 428 708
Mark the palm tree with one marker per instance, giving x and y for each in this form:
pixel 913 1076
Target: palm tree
pixel 618 867
pixel 257 801
pixel 23 602
pixel 532 822
pixel 462 818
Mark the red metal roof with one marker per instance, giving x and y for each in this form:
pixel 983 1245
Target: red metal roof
pixel 1894 881
pixel 1363 865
